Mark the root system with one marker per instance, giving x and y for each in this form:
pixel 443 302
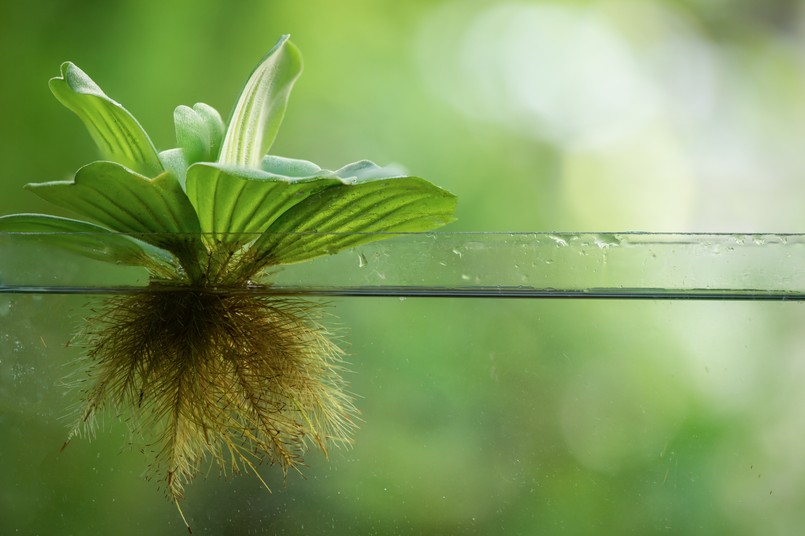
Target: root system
pixel 234 378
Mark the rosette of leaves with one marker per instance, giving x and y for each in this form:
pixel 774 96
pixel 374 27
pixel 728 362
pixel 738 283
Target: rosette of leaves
pixel 233 377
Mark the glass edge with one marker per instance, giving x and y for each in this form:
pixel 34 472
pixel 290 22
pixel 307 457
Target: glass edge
pixel 430 234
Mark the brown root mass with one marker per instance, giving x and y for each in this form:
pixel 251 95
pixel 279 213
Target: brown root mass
pixel 236 378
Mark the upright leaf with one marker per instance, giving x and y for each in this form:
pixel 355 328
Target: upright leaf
pixel 261 106
pixel 117 133
pixel 199 132
pixel 349 215
pixel 174 161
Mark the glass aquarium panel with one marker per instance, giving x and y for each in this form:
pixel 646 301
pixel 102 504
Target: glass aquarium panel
pixel 624 265
pixel 478 416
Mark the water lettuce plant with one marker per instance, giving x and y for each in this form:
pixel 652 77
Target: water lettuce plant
pixel 201 372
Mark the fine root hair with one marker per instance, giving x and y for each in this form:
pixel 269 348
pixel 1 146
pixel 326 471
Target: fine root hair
pixel 236 378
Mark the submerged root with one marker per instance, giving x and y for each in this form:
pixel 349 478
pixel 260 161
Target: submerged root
pixel 237 378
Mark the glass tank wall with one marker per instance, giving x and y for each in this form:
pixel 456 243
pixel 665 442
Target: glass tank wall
pixel 478 415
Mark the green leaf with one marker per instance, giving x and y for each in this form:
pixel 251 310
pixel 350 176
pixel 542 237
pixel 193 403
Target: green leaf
pixel 348 215
pixel 128 202
pixel 199 132
pixel 261 106
pixel 123 200
pixel 366 169
pixel 86 239
pixel 174 161
pixel 290 167
pixel 361 170
pixel 117 133
pixel 238 200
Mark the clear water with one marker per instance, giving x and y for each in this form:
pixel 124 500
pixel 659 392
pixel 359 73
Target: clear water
pixel 480 416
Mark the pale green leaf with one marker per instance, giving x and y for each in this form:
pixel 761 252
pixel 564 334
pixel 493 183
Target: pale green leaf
pixel 291 167
pixel 199 132
pixel 232 201
pixel 356 171
pixel 128 202
pixel 117 133
pixel 346 216
pixel 86 239
pixel 174 161
pixel 261 106
pixel 366 169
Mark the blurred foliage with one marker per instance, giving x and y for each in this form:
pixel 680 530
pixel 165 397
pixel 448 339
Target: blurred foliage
pixel 480 417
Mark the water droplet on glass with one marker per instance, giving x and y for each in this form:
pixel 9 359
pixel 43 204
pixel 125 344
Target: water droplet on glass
pixel 362 260
pixel 457 252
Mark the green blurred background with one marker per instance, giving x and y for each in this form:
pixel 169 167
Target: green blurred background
pixel 486 416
